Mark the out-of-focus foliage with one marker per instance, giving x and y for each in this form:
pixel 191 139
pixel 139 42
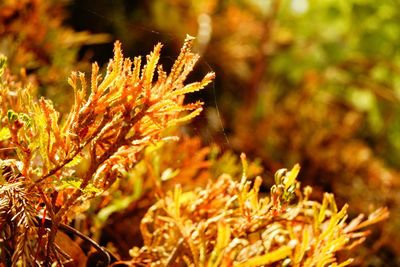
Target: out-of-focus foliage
pixel 33 37
pixel 350 47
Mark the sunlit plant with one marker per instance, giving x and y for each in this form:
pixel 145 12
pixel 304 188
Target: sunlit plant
pixel 230 223
pixel 53 165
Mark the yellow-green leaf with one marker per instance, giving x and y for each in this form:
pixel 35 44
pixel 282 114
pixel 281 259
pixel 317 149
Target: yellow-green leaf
pixel 75 161
pixel 4 133
pixel 291 176
pixel 223 238
pixel 271 257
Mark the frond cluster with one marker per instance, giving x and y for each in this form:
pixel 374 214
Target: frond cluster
pixel 229 224
pixel 17 223
pixel 114 118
